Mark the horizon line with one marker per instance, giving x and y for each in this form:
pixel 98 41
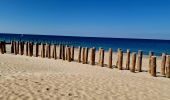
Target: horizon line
pixel 85 36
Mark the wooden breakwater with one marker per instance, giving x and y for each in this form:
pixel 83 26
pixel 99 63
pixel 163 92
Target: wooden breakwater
pixel 133 59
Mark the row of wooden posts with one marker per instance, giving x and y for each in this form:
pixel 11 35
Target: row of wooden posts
pixel 67 53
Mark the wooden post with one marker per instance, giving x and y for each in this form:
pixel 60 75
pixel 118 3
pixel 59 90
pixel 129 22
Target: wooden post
pixel 99 60
pixel 68 54
pixel 49 51
pixel 120 60
pixel 72 53
pixel 168 66
pixel 4 46
pixel 149 67
pixel 37 50
pixel 1 47
pixel 102 58
pixel 42 50
pixel 117 58
pixel 163 64
pixel 86 55
pixel 30 49
pixel 153 66
pixel 79 54
pixel 60 51
pixel 26 48
pixel 128 59
pixel 12 46
pixel 139 61
pixel 20 51
pixel 15 48
pixel 54 52
pixel 132 69
pixel 83 55
pixel 21 48
pixel 93 52
pixel 63 52
pixel 110 58
pixel 46 50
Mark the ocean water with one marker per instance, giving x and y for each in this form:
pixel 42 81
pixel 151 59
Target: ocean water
pixel 146 45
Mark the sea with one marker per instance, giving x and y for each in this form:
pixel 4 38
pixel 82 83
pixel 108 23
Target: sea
pixel 146 45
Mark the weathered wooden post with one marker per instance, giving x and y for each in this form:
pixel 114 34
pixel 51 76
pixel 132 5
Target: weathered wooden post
pixel 49 51
pixel 79 54
pixel 60 51
pixel 117 62
pixel 86 55
pixel 93 52
pixel 15 48
pixel 110 58
pixel 26 48
pixel 30 49
pixel 99 52
pixel 120 60
pixel 37 50
pixel 46 50
pixel 21 48
pixel 1 47
pixel 63 52
pixel 168 66
pixel 4 46
pixel 163 63
pixel 153 66
pixel 54 52
pixel 72 53
pixel 139 61
pixel 83 55
pixel 42 50
pixel 150 55
pixel 132 69
pixel 102 58
pixel 12 46
pixel 128 59
pixel 68 54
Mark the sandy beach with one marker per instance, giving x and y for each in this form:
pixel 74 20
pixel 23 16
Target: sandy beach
pixel 35 78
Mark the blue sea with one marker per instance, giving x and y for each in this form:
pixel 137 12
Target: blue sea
pixel 146 45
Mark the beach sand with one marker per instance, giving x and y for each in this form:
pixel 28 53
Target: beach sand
pixel 31 78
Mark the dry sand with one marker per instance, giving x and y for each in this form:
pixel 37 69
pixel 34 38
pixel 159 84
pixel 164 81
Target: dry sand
pixel 31 78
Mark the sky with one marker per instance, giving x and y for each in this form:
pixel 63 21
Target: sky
pixel 93 18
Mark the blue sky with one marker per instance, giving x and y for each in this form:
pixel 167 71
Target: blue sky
pixel 97 18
